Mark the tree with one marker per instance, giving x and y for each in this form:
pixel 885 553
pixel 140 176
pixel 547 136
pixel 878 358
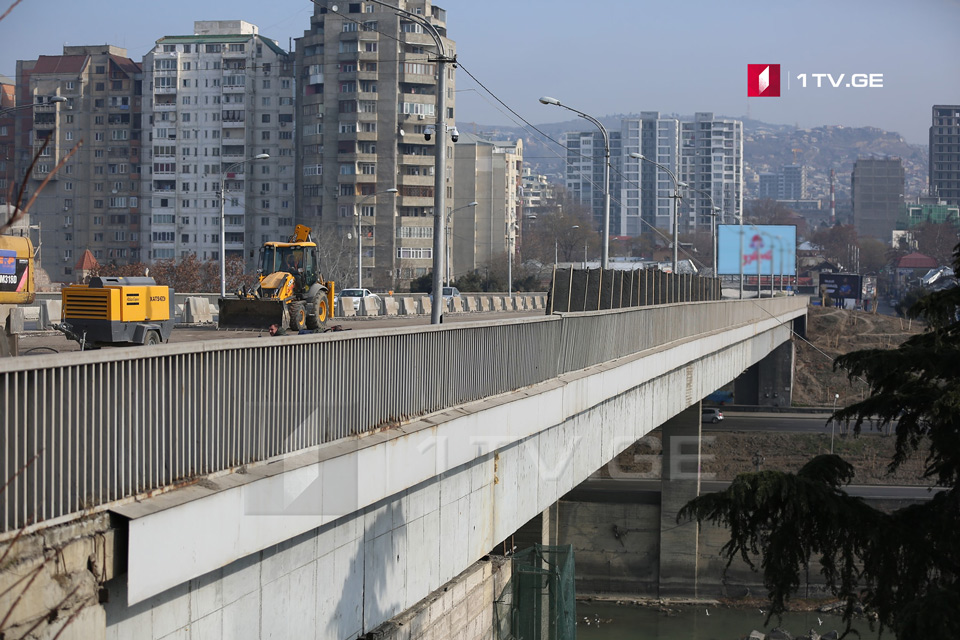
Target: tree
pixel 935 239
pixel 835 242
pixel 565 231
pixel 873 255
pixel 904 565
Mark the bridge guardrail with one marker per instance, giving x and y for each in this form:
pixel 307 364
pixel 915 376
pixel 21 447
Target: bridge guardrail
pixel 101 426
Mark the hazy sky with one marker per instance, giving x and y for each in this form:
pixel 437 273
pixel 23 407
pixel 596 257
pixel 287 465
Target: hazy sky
pixel 605 57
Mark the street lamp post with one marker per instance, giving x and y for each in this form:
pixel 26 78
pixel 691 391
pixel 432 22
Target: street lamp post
pixel 676 205
pixel 833 422
pixel 511 228
pixel 448 268
pixel 605 250
pixel 714 211
pixel 358 212
pixel 223 233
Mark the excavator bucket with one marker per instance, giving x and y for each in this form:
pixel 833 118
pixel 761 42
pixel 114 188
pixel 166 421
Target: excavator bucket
pixel 250 313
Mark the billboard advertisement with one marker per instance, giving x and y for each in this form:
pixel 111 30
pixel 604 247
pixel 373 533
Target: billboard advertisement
pixel 846 286
pixel 756 248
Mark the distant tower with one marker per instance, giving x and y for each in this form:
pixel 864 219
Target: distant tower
pixel 833 199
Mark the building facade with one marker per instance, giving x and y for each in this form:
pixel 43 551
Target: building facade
pixel 645 198
pixel 711 162
pixel 489 173
pixel 584 178
pixel 367 91
pixel 213 101
pixel 93 201
pixel 945 153
pixel 789 183
pixel 877 188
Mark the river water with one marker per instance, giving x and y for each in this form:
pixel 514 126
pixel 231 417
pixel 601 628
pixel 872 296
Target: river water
pixel 631 622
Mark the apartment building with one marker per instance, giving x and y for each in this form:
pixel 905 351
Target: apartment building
pixel 711 162
pixel 489 173
pixel 877 188
pixel 647 191
pixel 366 95
pixel 584 179
pixel 945 153
pixel 706 154
pixel 789 183
pixel 93 201
pixel 213 102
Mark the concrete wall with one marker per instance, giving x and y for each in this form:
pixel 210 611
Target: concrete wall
pixel 463 609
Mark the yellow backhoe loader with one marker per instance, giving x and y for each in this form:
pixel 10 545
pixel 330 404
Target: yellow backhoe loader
pixel 291 292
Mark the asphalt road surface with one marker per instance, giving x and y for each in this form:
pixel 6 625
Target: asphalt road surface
pixel 781 422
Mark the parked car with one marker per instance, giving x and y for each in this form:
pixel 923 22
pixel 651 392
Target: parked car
pixel 356 295
pixel 711 415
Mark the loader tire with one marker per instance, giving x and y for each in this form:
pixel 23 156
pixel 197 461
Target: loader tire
pixel 318 319
pixel 298 317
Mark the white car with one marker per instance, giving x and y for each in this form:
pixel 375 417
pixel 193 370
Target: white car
pixel 356 295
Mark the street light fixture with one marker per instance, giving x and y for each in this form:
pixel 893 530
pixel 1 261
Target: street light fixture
pixel 676 205
pixel 50 100
pixel 358 213
pixel 605 251
pixel 223 232
pixel 448 268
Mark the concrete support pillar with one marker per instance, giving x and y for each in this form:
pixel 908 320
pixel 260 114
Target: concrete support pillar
pixel 680 483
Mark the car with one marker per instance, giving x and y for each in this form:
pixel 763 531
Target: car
pixel 711 415
pixel 356 295
pixel 448 294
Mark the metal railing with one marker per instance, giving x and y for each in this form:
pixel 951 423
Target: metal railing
pixel 100 426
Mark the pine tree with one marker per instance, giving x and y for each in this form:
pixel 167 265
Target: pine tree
pixel 904 565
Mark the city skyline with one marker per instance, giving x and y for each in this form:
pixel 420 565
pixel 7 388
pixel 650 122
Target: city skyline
pixel 555 51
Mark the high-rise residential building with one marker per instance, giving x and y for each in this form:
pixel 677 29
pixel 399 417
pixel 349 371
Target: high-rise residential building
pixel 366 94
pixel 711 161
pixel 584 174
pixel 877 194
pixel 705 154
pixel 646 189
pixel 214 100
pixel 490 174
pixel 789 183
pixel 93 201
pixel 945 153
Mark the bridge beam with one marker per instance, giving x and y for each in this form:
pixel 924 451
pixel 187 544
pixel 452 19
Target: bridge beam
pixel 680 483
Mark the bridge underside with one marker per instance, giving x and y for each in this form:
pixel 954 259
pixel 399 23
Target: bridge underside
pixel 346 536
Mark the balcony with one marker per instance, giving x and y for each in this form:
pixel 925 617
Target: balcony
pixel 165 106
pixel 315 78
pixel 233 124
pixel 165 91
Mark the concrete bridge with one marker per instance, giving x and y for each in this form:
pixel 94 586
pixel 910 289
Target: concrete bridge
pixel 319 486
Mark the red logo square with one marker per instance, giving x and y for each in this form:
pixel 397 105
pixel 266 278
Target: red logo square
pixel 763 81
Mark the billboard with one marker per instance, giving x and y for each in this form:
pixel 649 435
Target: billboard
pixel 766 248
pixel 841 285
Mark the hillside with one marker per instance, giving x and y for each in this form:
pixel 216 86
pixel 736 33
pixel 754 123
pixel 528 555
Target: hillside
pixel 832 332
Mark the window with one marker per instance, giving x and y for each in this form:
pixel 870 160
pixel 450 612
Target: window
pixel 100 86
pixel 265 118
pixel 415 253
pixel 266 85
